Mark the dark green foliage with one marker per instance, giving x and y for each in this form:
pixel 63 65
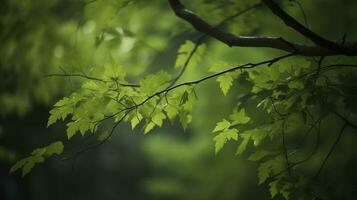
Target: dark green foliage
pixel 283 113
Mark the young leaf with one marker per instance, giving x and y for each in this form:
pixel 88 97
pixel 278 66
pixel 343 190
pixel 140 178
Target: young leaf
pixel 103 136
pixel 37 156
pixel 183 52
pixel 136 120
pixel 264 172
pixel 185 119
pixel 54 148
pixel 225 82
pixel 239 117
pixel 270 168
pixel 223 137
pixel 30 165
pixel 72 128
pixel 273 188
pixel 224 124
pixel 259 155
pixel 189 49
pixel 258 135
pixel 149 126
pixel 171 111
pixel 159 118
pixel 154 82
pixel 243 145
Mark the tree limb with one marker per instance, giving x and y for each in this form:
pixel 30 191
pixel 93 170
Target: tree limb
pixel 202 36
pixel 297 26
pixel 349 48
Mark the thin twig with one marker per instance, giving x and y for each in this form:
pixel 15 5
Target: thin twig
pixel 345 119
pixel 89 78
pixel 331 149
pixel 285 150
pixel 97 144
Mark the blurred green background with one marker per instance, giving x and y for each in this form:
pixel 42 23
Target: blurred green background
pixel 42 37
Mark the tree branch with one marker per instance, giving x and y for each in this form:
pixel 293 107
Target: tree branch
pixel 297 26
pixel 202 36
pixel 165 91
pixel 349 48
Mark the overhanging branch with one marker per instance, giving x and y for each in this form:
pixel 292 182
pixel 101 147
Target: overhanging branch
pixel 303 30
pixel 349 48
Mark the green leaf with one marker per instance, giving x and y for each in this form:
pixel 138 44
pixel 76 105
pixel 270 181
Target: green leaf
pixel 223 137
pixel 149 126
pixel 215 68
pixel 225 82
pixel 270 168
pixel 171 111
pixel 264 172
pixel 239 117
pixel 189 50
pixel 159 118
pixel 18 165
pixel 83 126
pixel 154 82
pixel 54 148
pixel 285 190
pixel 259 155
pixel 113 71
pixel 52 119
pixel 185 119
pixel 72 128
pixel 273 188
pixel 224 124
pixel 63 108
pixel 136 120
pixel 103 135
pixel 258 135
pixel 27 168
pixel 286 194
pixel 296 84
pixel 184 98
pixel 58 113
pixel 37 156
pixel 183 52
pixel 243 145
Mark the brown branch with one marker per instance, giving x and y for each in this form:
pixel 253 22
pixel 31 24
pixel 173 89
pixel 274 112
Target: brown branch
pixel 297 26
pixel 202 36
pixel 349 48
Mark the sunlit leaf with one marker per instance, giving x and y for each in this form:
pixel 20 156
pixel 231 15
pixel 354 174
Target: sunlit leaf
pixel 224 124
pixel 223 137
pixel 225 82
pixel 243 145
pixel 239 117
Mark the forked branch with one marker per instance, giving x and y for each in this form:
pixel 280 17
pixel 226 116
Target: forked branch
pixel 323 47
